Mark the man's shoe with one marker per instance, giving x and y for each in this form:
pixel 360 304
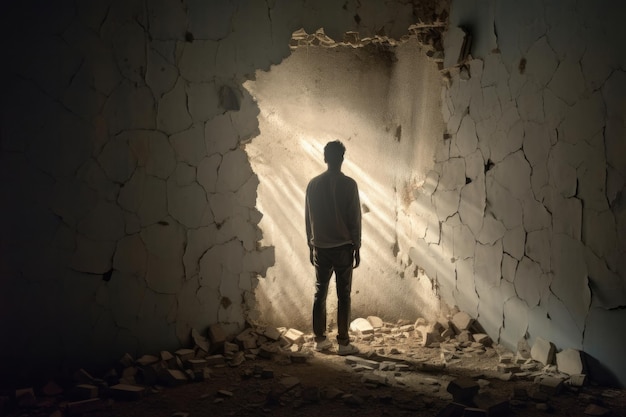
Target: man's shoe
pixel 348 349
pixel 323 345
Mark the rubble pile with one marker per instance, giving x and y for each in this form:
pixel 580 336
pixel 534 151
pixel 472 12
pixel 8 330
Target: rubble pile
pixel 447 367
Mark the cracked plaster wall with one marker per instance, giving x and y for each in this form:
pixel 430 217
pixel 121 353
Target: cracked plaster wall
pixel 529 190
pixel 128 203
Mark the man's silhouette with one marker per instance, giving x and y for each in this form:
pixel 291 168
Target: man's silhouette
pixel 333 230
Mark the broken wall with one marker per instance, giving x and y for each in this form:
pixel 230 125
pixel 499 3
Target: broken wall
pixel 527 196
pixel 382 102
pixel 128 204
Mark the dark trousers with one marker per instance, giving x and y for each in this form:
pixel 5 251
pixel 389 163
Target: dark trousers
pixel 327 261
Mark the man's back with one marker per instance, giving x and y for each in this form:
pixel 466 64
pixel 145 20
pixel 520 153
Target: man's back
pixel 333 214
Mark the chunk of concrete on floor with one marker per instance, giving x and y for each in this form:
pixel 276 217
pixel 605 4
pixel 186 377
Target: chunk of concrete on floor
pixel 571 361
pixel 461 321
pixel 375 321
pixel 294 336
pixel 550 385
pixel 463 389
pixel 217 336
pixel 543 351
pixel 362 326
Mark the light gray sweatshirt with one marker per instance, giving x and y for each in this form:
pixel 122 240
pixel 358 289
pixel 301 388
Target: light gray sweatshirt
pixel 333 211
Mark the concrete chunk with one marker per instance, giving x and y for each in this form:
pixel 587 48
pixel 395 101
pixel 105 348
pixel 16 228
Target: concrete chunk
pixel 571 362
pixel 463 389
pixel 375 321
pixel 294 336
pixel 355 360
pixel 362 326
pixel 461 321
pixel 543 351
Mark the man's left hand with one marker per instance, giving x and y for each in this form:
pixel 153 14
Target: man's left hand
pixel 357 258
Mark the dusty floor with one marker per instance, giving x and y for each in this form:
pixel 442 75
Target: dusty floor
pixel 412 380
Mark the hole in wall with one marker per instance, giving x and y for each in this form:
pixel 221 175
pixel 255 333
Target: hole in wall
pixel 360 96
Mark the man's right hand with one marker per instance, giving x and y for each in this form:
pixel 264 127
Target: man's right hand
pixel 357 258
pixel 311 255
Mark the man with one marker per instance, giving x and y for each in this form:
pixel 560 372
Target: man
pixel 333 230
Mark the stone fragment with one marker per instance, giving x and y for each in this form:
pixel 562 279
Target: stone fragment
pixel 463 389
pixel 375 321
pixel 173 377
pixel 147 360
pixel 570 361
pixel 289 382
pixel 483 339
pixel 464 336
pixel 494 407
pixel 127 392
pixel 200 341
pixel 196 364
pixel 217 336
pixel 551 385
pixel 272 333
pixel 215 360
pixel 577 380
pixel 461 321
pixel 543 351
pixel 185 354
pixel 362 326
pixel 248 338
pixel 294 336
pixel 430 334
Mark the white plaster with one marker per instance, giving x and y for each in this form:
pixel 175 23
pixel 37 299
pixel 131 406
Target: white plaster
pixel 185 174
pixel 465 289
pixel 475 166
pixel 554 109
pixel 130 107
pixel 161 74
pixel 570 283
pixel 153 151
pixel 599 231
pixel 463 242
pixel 210 20
pixel 567 216
pixel 453 41
pixel 514 241
pixel 491 231
pixel 207 172
pixel 513 174
pixel 541 62
pixel 584 119
pixel 509 267
pixel 538 247
pixel 81 98
pixel 186 203
pixel 165 246
pixel 117 160
pixel 562 174
pixel 515 323
pixel 472 205
pixel 529 281
pixel 530 103
pixel 446 203
pixel 536 217
pixel 172 114
pixel 245 121
pixel 442 152
pixel 453 174
pixel 233 171
pixel 220 135
pixel 502 204
pixel 171 28
pixel 203 101
pixel 565 329
pixel 92 256
pixel 487 266
pixel 189 145
pixel 566 38
pixel 607 289
pixel 568 83
pixel 130 256
pixel 104 222
pixel 466 139
pixel 197 60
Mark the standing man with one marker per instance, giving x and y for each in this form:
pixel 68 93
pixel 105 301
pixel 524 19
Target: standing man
pixel 333 231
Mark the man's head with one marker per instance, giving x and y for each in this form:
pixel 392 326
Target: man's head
pixel 333 154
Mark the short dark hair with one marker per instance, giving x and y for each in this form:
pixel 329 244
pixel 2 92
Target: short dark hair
pixel 334 151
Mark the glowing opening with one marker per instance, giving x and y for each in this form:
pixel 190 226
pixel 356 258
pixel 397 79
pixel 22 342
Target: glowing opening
pixel 383 102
